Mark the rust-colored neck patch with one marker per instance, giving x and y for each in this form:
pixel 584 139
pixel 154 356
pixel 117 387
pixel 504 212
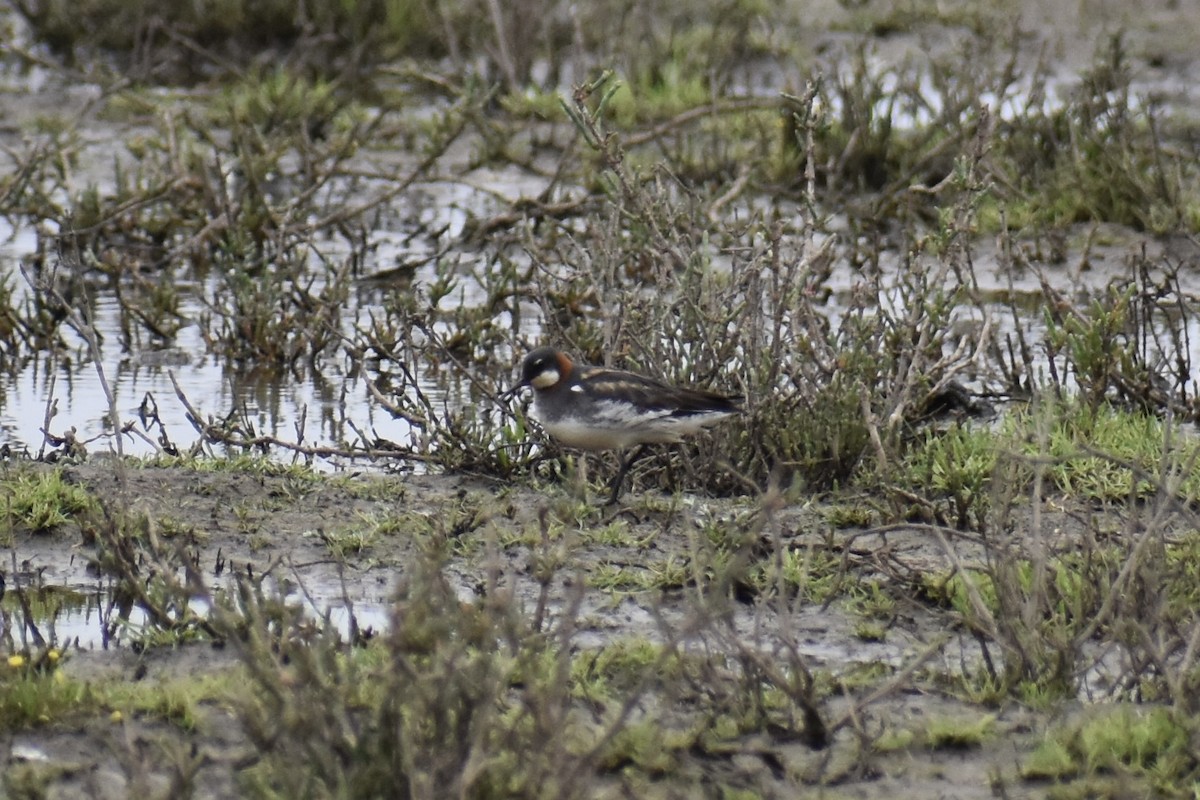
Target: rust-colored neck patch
pixel 565 365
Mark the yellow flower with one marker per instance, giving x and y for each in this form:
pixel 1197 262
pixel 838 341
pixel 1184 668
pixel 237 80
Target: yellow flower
pixel 16 661
pixel 52 655
pixel 116 716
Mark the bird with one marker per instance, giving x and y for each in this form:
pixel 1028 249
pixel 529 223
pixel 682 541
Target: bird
pixel 596 408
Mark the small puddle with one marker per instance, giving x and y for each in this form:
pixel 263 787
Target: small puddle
pixel 92 617
pixel 50 616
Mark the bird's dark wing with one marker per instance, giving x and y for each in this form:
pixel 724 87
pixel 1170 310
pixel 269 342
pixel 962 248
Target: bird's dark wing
pixel 611 384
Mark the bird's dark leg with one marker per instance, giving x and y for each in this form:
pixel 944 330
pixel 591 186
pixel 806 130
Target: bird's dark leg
pixel 617 481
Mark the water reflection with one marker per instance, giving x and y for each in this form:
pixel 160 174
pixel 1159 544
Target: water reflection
pixel 92 617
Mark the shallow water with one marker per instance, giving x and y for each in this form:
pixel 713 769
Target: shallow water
pixel 86 616
pixel 273 402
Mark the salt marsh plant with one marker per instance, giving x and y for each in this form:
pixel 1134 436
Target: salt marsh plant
pixel 41 501
pixel 186 42
pixel 1099 156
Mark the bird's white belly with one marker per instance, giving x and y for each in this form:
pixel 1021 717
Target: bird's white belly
pixel 626 431
pixel 573 433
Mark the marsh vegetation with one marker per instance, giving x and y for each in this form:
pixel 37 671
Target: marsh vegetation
pixel 947 255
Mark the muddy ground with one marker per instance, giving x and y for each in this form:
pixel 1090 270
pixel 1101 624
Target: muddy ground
pixel 301 528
